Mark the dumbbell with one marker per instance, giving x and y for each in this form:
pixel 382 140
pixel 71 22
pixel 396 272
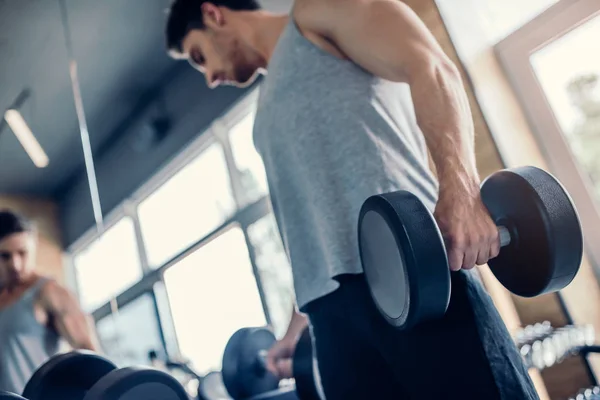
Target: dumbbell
pixel 567 340
pixel 561 343
pixel 404 257
pixel 9 396
pixel 211 387
pixel 531 333
pixel 303 368
pixel 244 370
pixel 588 394
pixel 83 375
pixel 542 353
pixel 535 345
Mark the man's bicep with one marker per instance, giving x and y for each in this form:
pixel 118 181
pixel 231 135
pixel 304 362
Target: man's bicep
pixel 58 300
pixel 68 319
pixel 385 37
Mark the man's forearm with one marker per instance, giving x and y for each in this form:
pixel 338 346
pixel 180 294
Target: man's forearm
pixel 444 115
pixel 296 326
pixel 94 340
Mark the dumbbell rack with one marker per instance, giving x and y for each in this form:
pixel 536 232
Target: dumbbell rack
pixel 543 346
pixel 592 393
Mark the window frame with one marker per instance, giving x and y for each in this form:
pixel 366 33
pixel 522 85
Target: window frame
pixel 92 235
pixel 243 216
pixel 156 313
pixel 513 54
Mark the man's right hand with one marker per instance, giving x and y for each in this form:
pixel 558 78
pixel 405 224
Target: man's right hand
pixel 280 356
pixel 470 234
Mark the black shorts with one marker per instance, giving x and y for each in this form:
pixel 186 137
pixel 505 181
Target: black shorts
pixel 468 354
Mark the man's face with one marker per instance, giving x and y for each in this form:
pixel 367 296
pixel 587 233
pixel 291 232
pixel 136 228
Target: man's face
pixel 16 251
pixel 222 56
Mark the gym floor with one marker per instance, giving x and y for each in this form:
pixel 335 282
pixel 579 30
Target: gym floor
pixel 190 250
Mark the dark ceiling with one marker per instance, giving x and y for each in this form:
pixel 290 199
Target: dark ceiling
pixel 123 67
pixel 118 45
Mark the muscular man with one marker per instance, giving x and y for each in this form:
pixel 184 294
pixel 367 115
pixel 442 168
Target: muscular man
pixel 35 312
pixel 357 92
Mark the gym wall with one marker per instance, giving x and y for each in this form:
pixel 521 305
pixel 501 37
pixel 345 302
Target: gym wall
pixel 49 259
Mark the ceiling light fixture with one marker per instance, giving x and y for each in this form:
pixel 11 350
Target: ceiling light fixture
pixel 25 136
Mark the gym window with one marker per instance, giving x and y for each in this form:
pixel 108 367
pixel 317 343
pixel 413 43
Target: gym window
pixel 248 163
pixel 190 257
pixel 108 265
pixel 212 293
pixel 129 334
pixel 192 203
pixel 553 65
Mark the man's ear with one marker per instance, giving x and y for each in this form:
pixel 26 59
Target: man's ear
pixel 212 15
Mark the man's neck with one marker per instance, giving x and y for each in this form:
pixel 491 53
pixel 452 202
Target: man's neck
pixel 24 284
pixel 262 30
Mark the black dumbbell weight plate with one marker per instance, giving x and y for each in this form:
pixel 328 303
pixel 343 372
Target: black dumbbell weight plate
pixel 211 387
pixel 67 376
pixel 546 245
pixel 303 368
pixel 279 394
pixel 243 373
pixel 135 383
pixel 404 259
pixel 9 396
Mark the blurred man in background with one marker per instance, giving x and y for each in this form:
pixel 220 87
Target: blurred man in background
pixel 36 312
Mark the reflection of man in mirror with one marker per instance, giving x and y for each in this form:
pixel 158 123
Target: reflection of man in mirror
pixel 35 311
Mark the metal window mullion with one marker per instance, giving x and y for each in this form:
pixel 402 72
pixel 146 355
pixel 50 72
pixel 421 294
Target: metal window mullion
pixel 222 135
pixel 131 212
pixel 246 216
pixel 159 322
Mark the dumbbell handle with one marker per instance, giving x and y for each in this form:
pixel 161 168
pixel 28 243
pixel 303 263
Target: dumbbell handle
pixel 261 360
pixel 504 235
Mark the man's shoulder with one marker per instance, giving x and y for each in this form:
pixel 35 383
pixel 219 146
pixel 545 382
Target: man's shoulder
pixel 314 19
pixel 45 283
pixel 307 15
pixel 50 290
pixel 316 15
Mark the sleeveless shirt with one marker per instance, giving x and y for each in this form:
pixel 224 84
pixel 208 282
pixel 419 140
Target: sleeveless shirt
pixel 25 344
pixel 330 135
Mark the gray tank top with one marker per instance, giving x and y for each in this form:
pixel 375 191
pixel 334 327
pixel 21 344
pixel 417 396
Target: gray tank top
pixel 331 135
pixel 24 343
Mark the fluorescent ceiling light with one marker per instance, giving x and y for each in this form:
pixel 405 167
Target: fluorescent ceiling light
pixel 28 141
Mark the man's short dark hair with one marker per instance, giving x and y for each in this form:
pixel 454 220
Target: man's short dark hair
pixel 186 15
pixel 12 222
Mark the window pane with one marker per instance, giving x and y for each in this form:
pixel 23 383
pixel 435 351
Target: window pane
pixel 274 270
pixel 136 332
pixel 569 72
pixel 213 293
pixel 108 266
pixel 505 16
pixel 195 201
pixel 248 161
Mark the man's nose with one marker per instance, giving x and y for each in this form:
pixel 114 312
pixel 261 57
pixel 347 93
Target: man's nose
pixel 16 264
